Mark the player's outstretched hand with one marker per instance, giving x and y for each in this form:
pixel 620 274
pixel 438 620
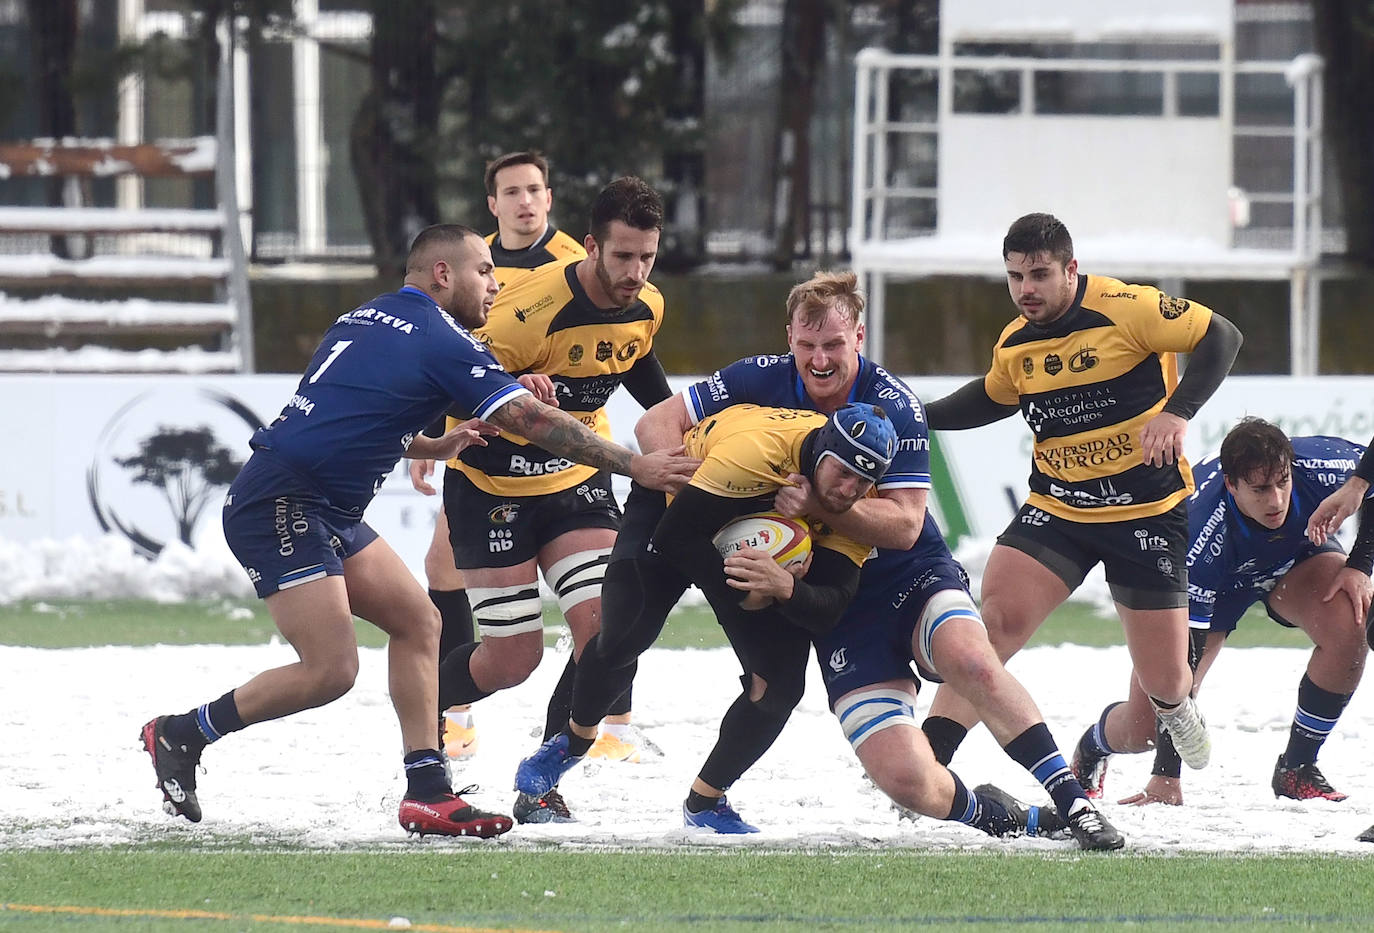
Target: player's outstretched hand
pixel 1161 440
pixel 667 470
pixel 420 472
pixel 471 433
pixel 1335 509
pixel 1158 789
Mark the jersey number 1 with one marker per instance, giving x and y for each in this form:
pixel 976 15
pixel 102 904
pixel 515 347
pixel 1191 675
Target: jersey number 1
pixel 334 351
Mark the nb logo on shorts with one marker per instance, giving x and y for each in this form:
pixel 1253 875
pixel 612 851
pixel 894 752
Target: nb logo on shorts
pixel 1035 517
pixel 499 540
pixel 838 661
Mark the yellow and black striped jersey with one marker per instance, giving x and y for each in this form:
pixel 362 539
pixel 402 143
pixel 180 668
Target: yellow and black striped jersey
pixel 545 323
pixel 1086 384
pixel 748 451
pixel 511 265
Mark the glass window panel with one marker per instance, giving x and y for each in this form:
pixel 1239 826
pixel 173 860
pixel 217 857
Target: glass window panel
pixel 1199 95
pixel 167 106
pixel 1112 51
pixel 913 96
pixel 1275 40
pixel 1263 100
pixel 987 91
pixel 274 140
pixel 1098 93
pixel 342 84
pixel 911 160
pixel 1264 163
pixel 909 217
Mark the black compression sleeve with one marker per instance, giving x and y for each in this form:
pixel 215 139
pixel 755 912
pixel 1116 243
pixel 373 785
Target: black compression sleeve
pixel 968 406
pixel 1362 551
pixel 1197 642
pixel 1208 364
pixel 820 599
pixel 1365 468
pixel 646 381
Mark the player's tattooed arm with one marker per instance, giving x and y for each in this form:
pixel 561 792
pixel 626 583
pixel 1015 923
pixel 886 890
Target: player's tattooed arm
pixel 561 433
pixel 566 436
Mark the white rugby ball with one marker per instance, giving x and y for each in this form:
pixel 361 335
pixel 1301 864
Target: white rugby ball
pixel 787 540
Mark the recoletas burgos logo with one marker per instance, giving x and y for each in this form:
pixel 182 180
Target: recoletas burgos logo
pixel 162 459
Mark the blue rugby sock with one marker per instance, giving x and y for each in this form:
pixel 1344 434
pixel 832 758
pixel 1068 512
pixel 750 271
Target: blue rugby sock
pixel 1036 751
pixel 1316 715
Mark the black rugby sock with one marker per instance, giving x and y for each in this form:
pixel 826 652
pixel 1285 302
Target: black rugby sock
pixel 455 614
pixel 456 685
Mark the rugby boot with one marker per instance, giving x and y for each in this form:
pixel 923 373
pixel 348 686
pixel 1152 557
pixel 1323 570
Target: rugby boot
pixel 1025 819
pixel 549 807
pixel 541 772
pixel 1093 832
pixel 175 766
pixel 1091 773
pixel 1303 782
pixel 450 815
pixel 459 741
pixel 609 747
pixel 721 818
pixel 1366 836
pixel 1188 729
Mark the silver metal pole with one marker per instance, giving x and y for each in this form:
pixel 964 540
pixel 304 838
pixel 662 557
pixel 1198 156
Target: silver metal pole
pixel 227 190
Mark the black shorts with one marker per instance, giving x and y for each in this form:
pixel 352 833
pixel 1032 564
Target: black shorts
pixel 1145 558
pixel 502 531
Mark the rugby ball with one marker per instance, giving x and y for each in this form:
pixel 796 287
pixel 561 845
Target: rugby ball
pixel 787 540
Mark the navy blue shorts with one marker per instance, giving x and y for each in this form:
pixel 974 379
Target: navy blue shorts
pixel 1231 606
pixel 873 641
pixel 285 533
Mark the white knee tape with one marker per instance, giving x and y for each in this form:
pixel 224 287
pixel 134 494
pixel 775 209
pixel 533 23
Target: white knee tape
pixel 577 577
pixel 870 711
pixel 944 606
pixel 502 611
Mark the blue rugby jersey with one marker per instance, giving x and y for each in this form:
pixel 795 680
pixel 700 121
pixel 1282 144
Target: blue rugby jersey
pixel 381 374
pixel 1228 553
pixel 774 380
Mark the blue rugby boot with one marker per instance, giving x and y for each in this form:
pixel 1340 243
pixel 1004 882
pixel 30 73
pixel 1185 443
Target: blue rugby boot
pixel 541 772
pixel 721 818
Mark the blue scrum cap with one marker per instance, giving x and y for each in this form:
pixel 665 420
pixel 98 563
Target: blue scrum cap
pixel 861 437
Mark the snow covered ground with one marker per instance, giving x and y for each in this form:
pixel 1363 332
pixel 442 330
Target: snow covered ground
pixel 75 775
